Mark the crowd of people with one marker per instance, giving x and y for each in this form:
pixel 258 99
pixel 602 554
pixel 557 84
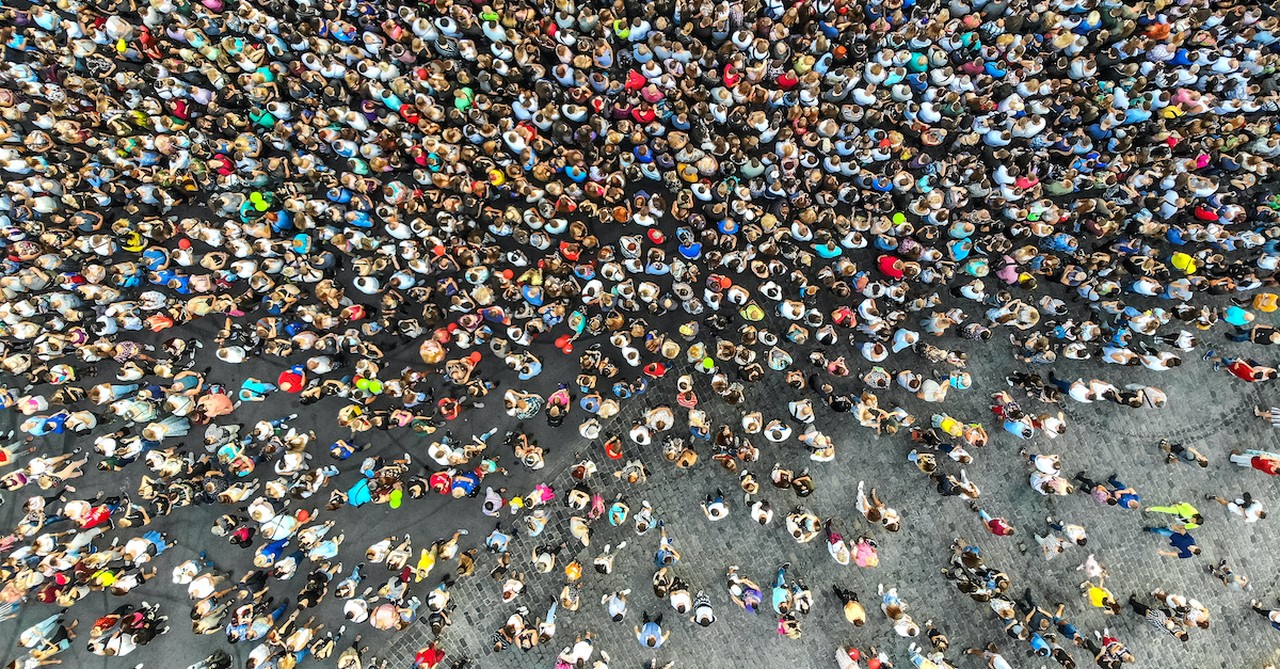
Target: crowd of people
pixel 221 209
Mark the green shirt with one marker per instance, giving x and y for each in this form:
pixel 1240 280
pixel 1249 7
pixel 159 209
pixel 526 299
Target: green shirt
pixel 1182 510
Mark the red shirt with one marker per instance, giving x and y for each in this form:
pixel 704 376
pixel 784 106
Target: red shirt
pixel 428 657
pixel 97 516
pixel 441 482
pixel 290 381
pixel 886 265
pixel 999 527
pixel 1265 465
pixel 1241 370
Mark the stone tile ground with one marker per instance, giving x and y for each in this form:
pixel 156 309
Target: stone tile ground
pixel 1209 410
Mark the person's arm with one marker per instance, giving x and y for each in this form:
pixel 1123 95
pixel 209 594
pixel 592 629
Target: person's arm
pixel 1167 553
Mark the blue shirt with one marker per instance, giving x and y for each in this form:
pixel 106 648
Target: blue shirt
pixel 650 635
pixel 1126 498
pixel 1183 542
pixel 1236 316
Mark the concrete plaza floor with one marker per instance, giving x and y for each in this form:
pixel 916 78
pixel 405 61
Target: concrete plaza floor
pixel 1209 410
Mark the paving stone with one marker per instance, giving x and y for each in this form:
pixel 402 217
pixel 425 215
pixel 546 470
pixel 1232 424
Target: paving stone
pixel 1208 410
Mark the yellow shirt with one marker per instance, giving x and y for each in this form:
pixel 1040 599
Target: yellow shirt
pixel 1184 262
pixel 1265 302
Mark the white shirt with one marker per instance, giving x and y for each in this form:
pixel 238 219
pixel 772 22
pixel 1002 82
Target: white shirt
pixel 37 466
pixel 105 445
pixel 186 572
pixel 681 601
pixel 1047 464
pixel 1158 362
pixel 617 606
pixel 1079 392
pixel 201 587
pixel 761 514
pixel 356 609
pixel 1249 513
pixel 716 511
pixel 581 651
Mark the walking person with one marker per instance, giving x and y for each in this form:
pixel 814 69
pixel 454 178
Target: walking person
pixel 1184 544
pixel 1187 514
pixel 650 634
pixel 1245 506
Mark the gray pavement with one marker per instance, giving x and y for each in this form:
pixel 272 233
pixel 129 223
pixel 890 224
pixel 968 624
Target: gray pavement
pixel 1209 410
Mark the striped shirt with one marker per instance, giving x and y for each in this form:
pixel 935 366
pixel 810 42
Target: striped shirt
pixel 1157 619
